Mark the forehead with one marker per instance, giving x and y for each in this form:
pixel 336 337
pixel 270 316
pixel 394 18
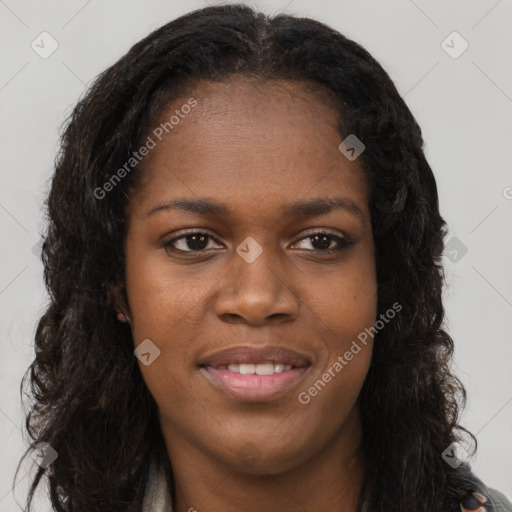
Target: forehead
pixel 251 95
pixel 247 137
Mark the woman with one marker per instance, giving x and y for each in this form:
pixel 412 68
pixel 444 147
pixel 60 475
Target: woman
pixel 243 258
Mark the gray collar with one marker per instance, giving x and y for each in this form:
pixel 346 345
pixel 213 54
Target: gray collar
pixel 157 497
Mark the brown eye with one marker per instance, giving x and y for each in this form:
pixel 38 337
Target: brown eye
pixel 190 242
pixel 326 242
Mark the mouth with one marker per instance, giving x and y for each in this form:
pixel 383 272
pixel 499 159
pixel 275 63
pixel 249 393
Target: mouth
pixel 255 374
pixel 268 368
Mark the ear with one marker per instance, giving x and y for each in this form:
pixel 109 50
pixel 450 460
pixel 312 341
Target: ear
pixel 119 301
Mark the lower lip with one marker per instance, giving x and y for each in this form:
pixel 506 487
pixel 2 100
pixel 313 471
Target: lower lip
pixel 254 388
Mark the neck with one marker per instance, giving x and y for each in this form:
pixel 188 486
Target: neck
pixel 331 480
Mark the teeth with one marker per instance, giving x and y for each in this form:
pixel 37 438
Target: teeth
pixel 258 369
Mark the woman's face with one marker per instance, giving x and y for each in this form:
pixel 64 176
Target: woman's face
pixel 255 169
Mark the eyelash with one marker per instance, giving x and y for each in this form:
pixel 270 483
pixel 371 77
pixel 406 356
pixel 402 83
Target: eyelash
pixel 342 242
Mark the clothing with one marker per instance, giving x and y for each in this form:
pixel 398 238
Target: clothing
pixel 158 499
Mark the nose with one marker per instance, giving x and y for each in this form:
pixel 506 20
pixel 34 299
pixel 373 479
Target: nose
pixel 256 293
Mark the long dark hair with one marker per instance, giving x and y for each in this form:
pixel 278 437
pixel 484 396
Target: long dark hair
pixel 89 400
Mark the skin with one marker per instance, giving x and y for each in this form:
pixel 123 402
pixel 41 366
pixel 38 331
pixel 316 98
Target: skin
pixel 256 147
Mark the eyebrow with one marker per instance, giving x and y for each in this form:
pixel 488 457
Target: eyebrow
pixel 302 208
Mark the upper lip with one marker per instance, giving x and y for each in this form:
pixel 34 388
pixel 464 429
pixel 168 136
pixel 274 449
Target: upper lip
pixel 246 354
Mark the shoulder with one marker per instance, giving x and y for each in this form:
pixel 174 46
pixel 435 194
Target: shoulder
pixel 474 495
pixel 498 501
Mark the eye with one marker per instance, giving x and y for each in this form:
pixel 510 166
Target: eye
pixel 322 241
pixel 192 241
pixel 199 241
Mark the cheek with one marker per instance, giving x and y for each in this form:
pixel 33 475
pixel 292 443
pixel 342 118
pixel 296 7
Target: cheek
pixel 343 305
pixel 343 311
pixel 167 305
pixel 161 295
pixel 164 302
pixel 344 298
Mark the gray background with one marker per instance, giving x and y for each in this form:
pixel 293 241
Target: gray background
pixel 462 104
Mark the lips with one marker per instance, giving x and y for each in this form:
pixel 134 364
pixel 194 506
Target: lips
pixel 255 374
pixel 247 355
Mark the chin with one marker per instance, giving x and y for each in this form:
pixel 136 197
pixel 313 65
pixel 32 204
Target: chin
pixel 257 459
